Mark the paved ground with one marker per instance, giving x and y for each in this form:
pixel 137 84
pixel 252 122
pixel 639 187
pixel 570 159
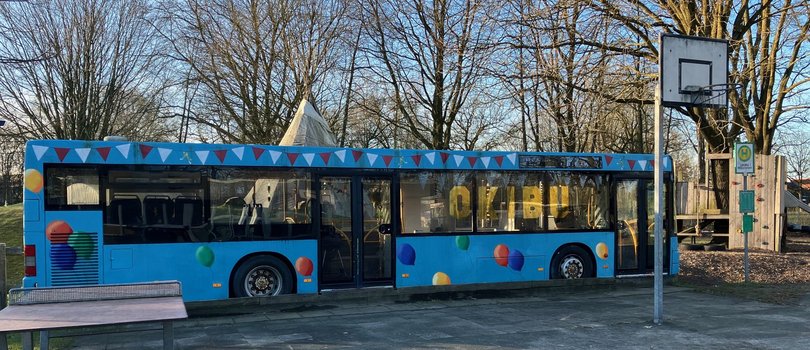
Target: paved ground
pixel 596 317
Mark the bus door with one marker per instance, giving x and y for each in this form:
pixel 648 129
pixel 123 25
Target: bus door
pixel 356 235
pixel 635 236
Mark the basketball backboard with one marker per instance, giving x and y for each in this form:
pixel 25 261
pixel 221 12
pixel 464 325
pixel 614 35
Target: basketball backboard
pixel 693 71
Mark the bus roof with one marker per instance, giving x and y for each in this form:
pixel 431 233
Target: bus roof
pixel 39 152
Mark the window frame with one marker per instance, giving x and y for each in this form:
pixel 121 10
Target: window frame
pixel 49 206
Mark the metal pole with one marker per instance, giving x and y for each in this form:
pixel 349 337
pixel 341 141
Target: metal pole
pixel 745 236
pixel 658 281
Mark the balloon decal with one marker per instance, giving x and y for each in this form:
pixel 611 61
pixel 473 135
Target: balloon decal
pixel 516 260
pixel 304 266
pixel 463 242
pixel 602 250
pixel 58 231
pixel 502 255
pixel 82 244
pixel 63 256
pixel 33 180
pixel 406 254
pixel 205 256
pixel 441 279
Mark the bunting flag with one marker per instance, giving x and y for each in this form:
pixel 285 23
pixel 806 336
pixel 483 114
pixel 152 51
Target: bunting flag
pixel 498 160
pixel 325 157
pixel 666 163
pixel 632 163
pixel 124 149
pixel 39 151
pixel 145 150
pixel 164 153
pixel 83 153
pixel 357 154
pixel 292 157
pixel 202 155
pixel 61 152
pixel 274 155
pixel 608 159
pixel 642 164
pixel 221 153
pixel 512 158
pixel 652 163
pixel 431 157
pixel 341 155
pixel 458 159
pixel 257 152
pixel 371 158
pixel 387 160
pixel 472 161
pixel 416 159
pixel 309 157
pixel 104 152
pixel 238 152
pixel 444 156
pixel 485 161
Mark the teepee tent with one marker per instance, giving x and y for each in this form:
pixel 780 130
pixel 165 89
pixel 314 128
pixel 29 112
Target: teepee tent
pixel 308 128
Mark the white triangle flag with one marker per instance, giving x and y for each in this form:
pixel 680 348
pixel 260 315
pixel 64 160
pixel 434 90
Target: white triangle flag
pixel 485 160
pixel 430 156
pixel 83 153
pixel 124 149
pixel 642 164
pixel 239 152
pixel 371 158
pixel 458 159
pixel 666 163
pixel 512 158
pixel 309 157
pixel 203 155
pixel 274 155
pixel 341 155
pixel 39 151
pixel 164 153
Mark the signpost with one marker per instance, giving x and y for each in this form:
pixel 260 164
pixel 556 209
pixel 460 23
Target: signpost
pixel 744 164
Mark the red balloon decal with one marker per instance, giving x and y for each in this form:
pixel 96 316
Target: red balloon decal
pixel 502 254
pixel 304 266
pixel 58 231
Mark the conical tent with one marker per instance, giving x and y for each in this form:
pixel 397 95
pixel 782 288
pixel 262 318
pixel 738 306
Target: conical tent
pixel 308 128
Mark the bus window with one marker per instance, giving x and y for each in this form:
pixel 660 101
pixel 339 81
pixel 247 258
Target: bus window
pixel 509 201
pixel 71 187
pixel 435 201
pixel 577 201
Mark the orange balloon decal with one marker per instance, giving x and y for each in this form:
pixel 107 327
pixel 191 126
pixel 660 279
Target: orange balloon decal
pixel 501 254
pixel 441 279
pixel 33 180
pixel 58 231
pixel 304 266
pixel 602 250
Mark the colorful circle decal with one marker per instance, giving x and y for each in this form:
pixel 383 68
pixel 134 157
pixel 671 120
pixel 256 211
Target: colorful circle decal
pixel 516 260
pixel 304 266
pixel 205 256
pixel 33 180
pixel 501 254
pixel 463 242
pixel 63 257
pixel 58 231
pixel 602 250
pixel 441 279
pixel 82 244
pixel 406 254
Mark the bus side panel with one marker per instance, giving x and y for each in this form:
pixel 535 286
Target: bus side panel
pixel 463 259
pixel 71 248
pixel 204 269
pixel 674 257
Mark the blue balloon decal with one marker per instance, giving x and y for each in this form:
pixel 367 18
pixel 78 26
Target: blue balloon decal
pixel 516 260
pixel 63 256
pixel 406 254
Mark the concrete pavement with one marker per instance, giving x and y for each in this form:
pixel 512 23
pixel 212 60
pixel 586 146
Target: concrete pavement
pixel 594 317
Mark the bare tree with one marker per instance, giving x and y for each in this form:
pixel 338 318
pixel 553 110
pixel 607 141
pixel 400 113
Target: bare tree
pixel 80 69
pixel 794 147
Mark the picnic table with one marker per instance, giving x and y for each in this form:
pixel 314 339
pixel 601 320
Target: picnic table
pixel 45 309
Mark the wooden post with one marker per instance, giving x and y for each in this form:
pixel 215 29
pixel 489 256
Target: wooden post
pixel 3 291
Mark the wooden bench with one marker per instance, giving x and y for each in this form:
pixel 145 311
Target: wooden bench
pixel 45 309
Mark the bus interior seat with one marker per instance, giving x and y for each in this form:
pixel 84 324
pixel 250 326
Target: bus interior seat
pixel 125 210
pixel 158 209
pixel 188 211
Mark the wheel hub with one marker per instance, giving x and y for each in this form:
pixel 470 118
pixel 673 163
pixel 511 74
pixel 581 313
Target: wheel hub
pixel 263 280
pixel 571 267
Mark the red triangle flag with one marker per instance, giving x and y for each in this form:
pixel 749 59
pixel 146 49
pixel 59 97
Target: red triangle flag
pixel 444 156
pixel 357 155
pixel 632 163
pixel 104 152
pixel 325 156
pixel 145 150
pixel 652 163
pixel 292 157
pixel 416 159
pixel 221 154
pixel 61 152
pixel 387 160
pixel 498 159
pixel 472 161
pixel 257 152
pixel 609 159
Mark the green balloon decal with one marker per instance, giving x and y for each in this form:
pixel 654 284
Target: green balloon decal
pixel 205 256
pixel 82 244
pixel 463 242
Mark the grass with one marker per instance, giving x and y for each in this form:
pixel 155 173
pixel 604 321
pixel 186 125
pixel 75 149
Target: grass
pixel 11 235
pixel 796 216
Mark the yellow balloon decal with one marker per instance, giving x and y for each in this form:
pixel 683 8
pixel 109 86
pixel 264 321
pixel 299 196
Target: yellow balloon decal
pixel 441 279
pixel 33 180
pixel 602 250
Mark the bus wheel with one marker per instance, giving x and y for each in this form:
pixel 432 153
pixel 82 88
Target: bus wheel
pixel 571 262
pixel 262 275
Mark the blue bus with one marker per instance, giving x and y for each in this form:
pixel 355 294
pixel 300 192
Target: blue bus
pixel 255 220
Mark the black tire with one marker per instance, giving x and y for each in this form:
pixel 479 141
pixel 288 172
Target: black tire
pixel 572 262
pixel 689 246
pixel 262 275
pixel 714 247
